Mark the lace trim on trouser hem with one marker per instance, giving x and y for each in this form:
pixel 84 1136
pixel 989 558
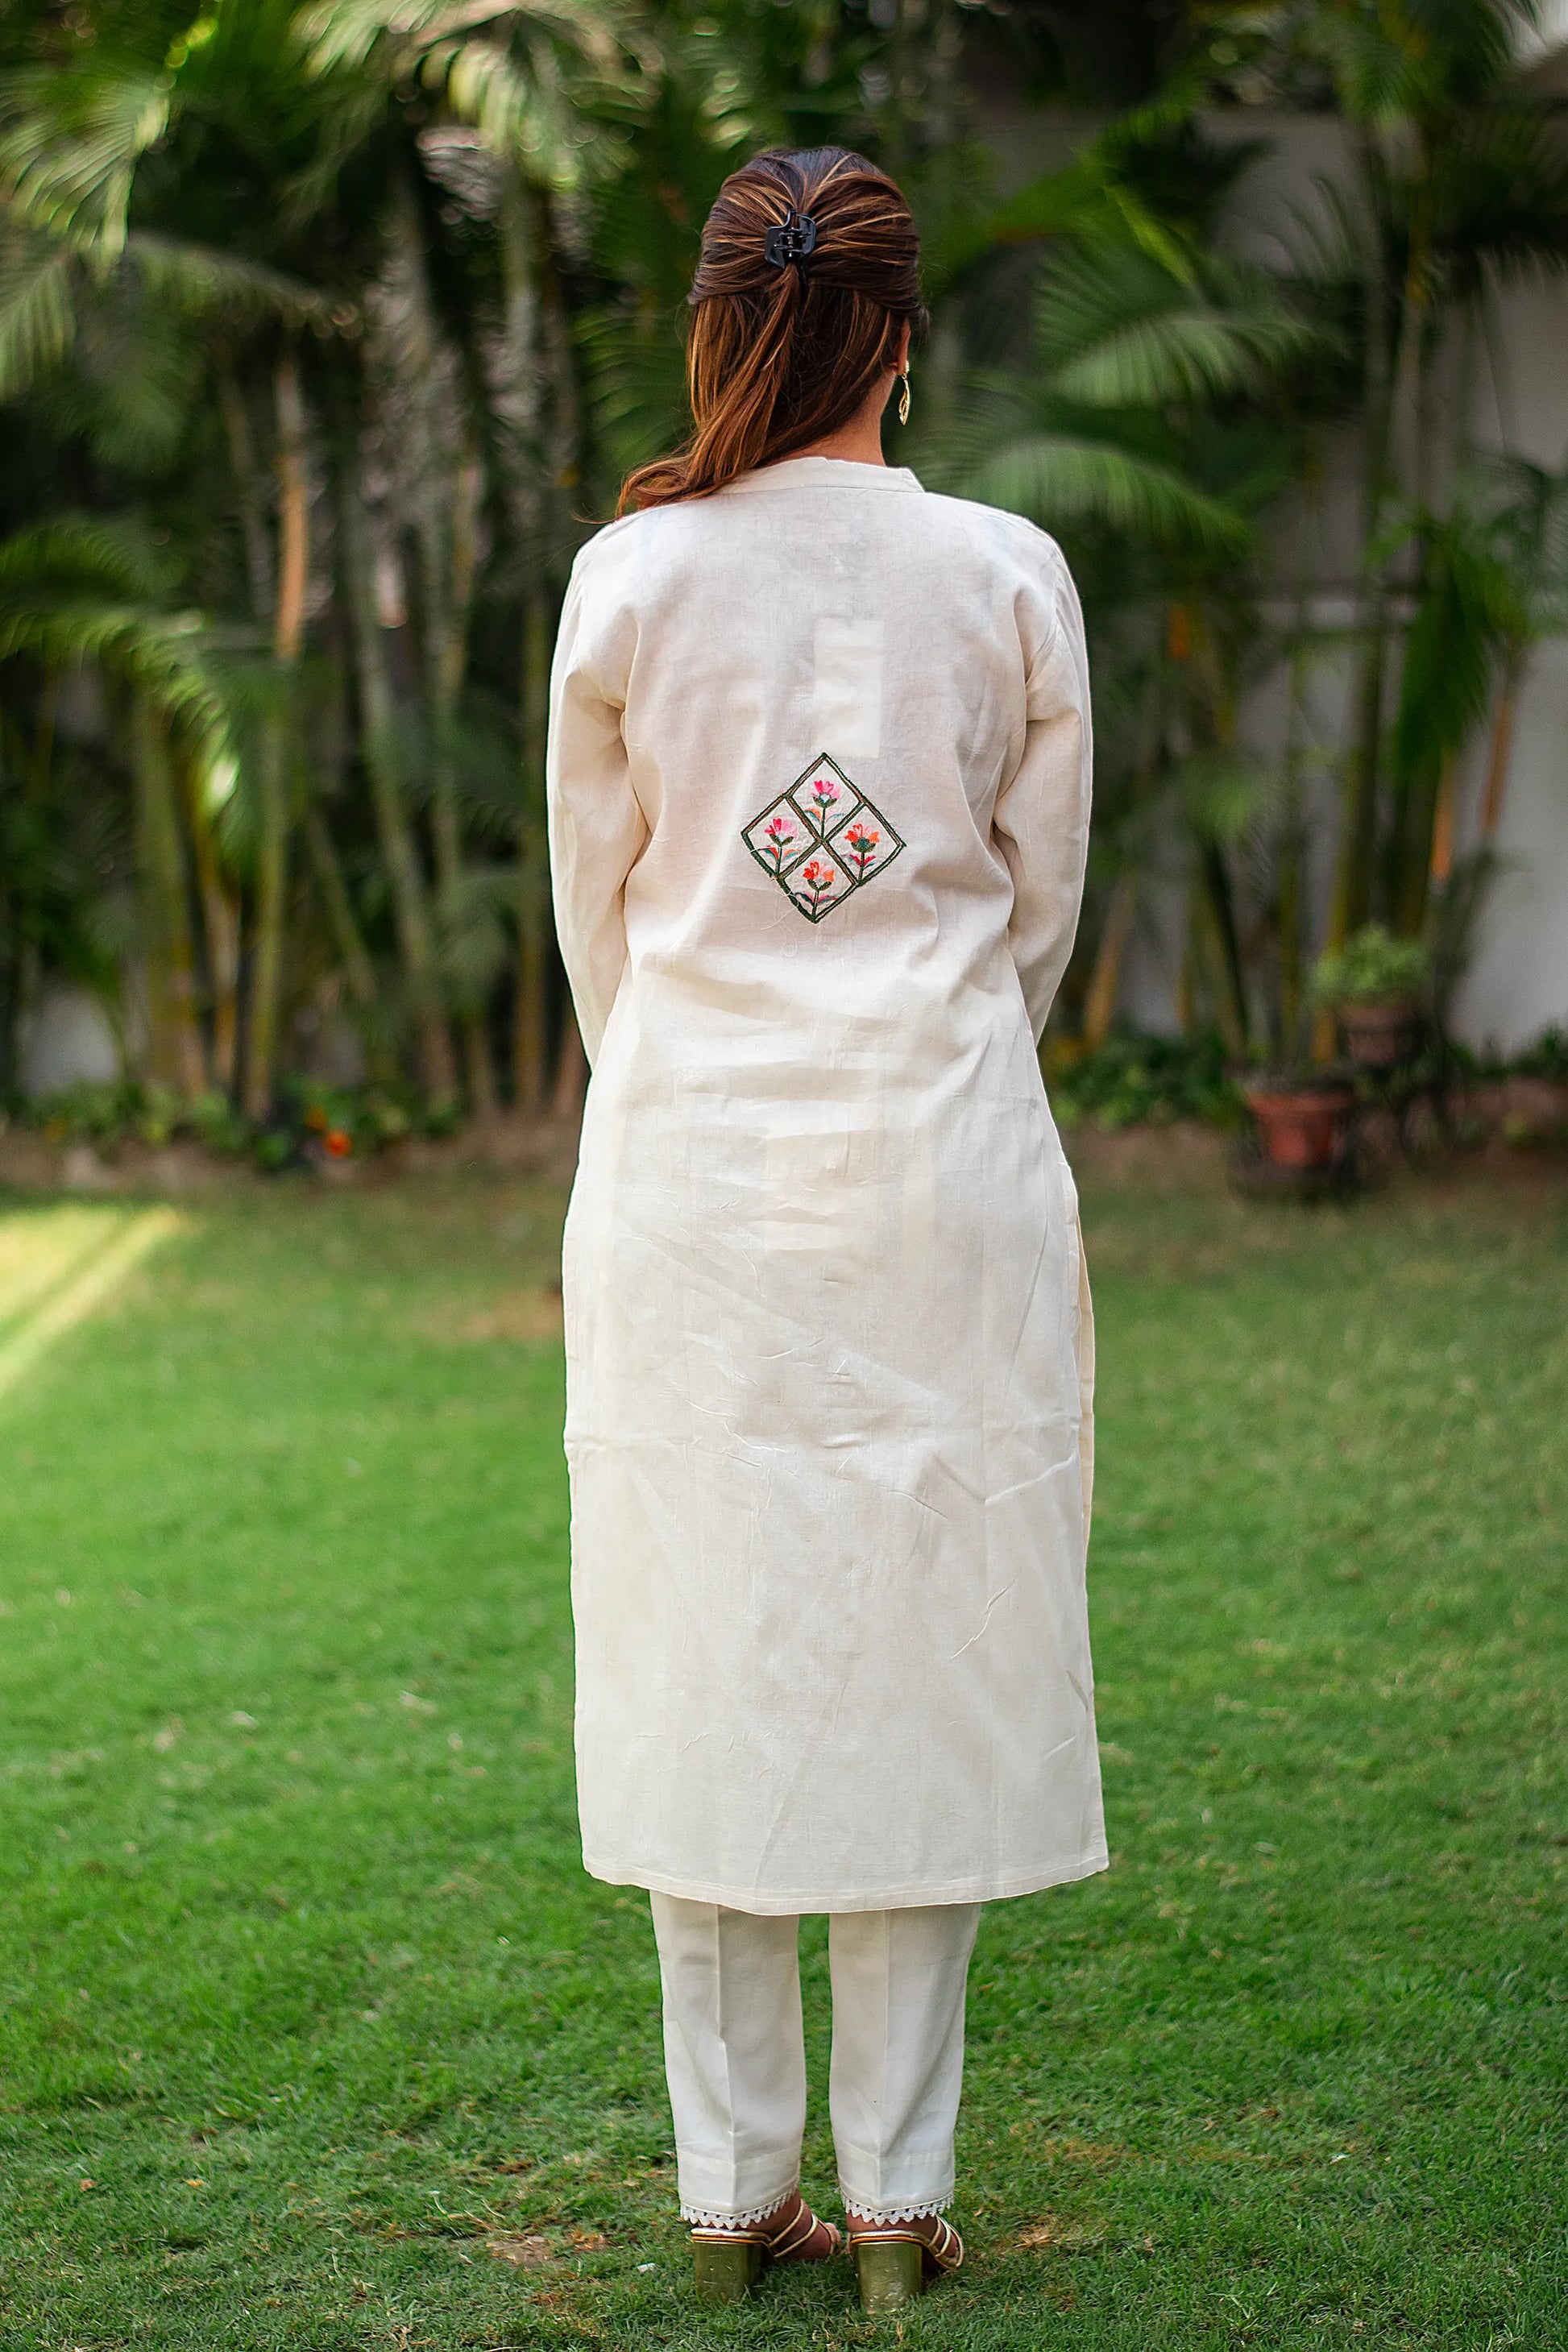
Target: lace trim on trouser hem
pixel 863 2213
pixel 703 2216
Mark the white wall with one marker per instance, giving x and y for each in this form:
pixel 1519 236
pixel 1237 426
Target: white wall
pixel 67 1039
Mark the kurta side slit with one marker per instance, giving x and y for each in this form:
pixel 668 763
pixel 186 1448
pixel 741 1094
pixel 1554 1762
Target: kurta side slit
pixel 819 786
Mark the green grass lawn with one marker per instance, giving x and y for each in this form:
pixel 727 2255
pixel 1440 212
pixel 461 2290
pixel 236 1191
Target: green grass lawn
pixel 307 2004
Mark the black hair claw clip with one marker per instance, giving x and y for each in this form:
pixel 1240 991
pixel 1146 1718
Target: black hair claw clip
pixel 790 240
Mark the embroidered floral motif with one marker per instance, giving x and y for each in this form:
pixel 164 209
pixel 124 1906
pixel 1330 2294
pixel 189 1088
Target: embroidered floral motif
pixel 780 839
pixel 822 839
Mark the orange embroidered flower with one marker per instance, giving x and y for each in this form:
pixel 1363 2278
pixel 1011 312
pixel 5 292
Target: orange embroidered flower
pixel 861 844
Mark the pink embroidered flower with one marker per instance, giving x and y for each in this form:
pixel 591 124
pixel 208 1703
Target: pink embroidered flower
pixel 780 837
pixel 825 795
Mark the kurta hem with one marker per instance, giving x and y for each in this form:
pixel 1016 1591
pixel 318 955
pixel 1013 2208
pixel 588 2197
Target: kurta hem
pixel 995 1888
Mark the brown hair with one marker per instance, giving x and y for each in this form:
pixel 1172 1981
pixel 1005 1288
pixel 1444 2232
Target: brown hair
pixel 780 355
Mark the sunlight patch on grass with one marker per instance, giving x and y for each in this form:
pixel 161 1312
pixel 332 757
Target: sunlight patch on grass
pixel 40 1248
pixel 62 1266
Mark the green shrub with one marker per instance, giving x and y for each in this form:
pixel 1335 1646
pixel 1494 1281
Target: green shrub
pixel 313 1122
pixel 1134 1080
pixel 1372 968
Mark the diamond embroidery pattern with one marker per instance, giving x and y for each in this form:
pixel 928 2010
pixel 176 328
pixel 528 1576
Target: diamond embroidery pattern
pixel 822 840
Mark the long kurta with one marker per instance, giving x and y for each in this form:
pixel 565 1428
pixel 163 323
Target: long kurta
pixel 819 784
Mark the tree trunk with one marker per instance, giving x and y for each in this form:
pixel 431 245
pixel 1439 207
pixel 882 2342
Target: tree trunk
pixel 546 408
pixel 447 484
pixel 447 598
pixel 174 1039
pixel 1291 916
pixel 1352 902
pixel 378 734
pixel 1499 755
pixel 275 780
pixel 1099 1004
pixel 348 940
pixel 1442 860
pixel 1229 976
pixel 220 925
pixel 570 1068
pixel 1426 804
pixel 533 922
pixel 252 520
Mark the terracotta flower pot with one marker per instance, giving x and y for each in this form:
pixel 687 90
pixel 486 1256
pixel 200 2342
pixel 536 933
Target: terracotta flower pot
pixel 1379 1036
pixel 1299 1126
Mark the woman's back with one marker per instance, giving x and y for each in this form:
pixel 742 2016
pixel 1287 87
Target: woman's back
pixel 825 680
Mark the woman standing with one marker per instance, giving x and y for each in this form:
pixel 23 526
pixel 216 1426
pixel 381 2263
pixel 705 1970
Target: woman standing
pixel 820 780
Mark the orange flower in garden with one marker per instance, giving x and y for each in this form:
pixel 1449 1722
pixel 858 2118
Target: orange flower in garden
pixel 337 1143
pixel 316 1119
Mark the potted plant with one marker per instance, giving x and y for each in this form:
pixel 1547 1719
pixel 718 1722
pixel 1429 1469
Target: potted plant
pixel 1375 983
pixel 1299 1119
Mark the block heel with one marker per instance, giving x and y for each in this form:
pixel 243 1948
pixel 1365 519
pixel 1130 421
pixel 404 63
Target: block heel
pixel 726 2268
pixel 891 2272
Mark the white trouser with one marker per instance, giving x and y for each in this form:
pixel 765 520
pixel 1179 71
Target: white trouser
pixel 735 2055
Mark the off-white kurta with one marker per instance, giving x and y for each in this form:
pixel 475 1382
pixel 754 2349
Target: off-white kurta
pixel 819 781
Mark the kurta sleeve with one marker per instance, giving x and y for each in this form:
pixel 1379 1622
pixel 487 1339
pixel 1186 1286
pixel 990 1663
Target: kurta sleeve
pixel 596 827
pixel 1041 820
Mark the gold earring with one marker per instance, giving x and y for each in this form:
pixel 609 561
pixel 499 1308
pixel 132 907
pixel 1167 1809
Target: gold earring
pixel 904 403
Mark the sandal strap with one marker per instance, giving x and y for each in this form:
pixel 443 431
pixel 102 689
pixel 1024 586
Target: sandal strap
pixel 947 2247
pixel 798 2230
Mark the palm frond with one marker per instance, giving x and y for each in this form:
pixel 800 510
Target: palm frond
pixel 1085 200
pixel 203 280
pixel 83 551
pixel 70 142
pixel 1225 797
pixel 347 32
pixel 37 311
pixel 1056 479
pixel 525 74
pixel 160 652
pixel 1500 194
pixel 636 368
pixel 1471 610
pixel 1118 331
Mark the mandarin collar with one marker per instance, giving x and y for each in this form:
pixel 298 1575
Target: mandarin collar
pixel 821 473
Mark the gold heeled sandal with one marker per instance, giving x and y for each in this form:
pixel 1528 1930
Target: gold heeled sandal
pixel 894 2266
pixel 728 2264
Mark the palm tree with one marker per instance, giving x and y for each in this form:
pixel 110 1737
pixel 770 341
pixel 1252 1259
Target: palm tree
pixel 536 87
pixel 76 591
pixel 1143 428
